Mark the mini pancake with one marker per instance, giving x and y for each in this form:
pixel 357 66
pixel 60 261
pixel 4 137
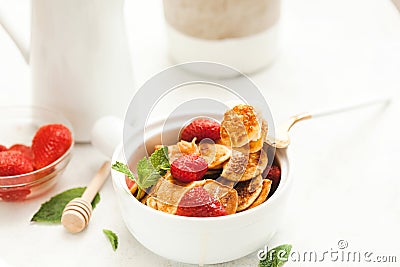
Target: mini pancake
pixel 168 192
pixel 252 146
pixel 164 199
pixel 226 182
pixel 248 192
pixel 214 154
pixel 180 149
pixel 255 146
pixel 227 196
pixel 243 167
pixel 144 199
pixel 239 126
pixel 266 187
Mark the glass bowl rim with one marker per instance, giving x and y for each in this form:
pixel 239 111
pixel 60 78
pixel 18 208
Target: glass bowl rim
pixel 54 163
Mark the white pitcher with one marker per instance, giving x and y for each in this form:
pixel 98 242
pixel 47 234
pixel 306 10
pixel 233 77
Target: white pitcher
pixel 80 61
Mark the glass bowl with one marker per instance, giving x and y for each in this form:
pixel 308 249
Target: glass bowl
pixel 18 126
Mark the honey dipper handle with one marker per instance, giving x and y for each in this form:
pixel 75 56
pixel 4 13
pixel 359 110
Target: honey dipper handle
pixel 97 182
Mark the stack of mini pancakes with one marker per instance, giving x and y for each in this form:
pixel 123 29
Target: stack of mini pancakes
pixel 235 164
pixel 245 131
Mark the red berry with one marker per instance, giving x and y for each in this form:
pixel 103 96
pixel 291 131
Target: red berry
pixel 129 183
pixel 274 174
pixel 201 129
pixel 189 168
pixel 2 148
pixel 50 143
pixel 17 194
pixel 25 150
pixel 14 163
pixel 197 202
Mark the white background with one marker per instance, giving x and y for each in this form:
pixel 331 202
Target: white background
pixel 346 185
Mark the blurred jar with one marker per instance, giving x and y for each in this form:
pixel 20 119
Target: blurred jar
pixel 239 33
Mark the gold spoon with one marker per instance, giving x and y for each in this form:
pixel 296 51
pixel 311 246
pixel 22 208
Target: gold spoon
pixel 77 212
pixel 281 138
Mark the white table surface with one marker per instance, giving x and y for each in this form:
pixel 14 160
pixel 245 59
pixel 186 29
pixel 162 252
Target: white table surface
pixel 347 184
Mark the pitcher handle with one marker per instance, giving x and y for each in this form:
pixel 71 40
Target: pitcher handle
pixel 15 37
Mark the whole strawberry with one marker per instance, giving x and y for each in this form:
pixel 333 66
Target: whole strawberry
pixel 201 129
pixel 197 202
pixel 189 168
pixel 50 143
pixel 14 163
pixel 25 150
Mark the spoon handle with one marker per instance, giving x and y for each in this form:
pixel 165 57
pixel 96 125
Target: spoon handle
pixel 305 116
pixel 364 104
pixel 97 182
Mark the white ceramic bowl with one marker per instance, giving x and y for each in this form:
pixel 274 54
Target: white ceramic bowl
pixel 197 240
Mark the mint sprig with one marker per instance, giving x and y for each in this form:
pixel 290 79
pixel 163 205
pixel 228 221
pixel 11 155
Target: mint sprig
pixel 149 171
pixel 276 257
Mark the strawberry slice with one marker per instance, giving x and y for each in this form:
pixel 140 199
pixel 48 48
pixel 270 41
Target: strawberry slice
pixel 14 163
pixel 197 202
pixel 201 129
pixel 25 150
pixel 50 143
pixel 189 168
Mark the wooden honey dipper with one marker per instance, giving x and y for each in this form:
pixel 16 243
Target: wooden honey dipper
pixel 77 212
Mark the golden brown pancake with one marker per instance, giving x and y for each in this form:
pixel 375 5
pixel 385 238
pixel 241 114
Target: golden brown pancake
pixel 243 167
pixel 214 154
pixel 239 126
pixel 248 192
pixel 168 192
pixel 227 196
pixel 226 182
pixel 266 187
pixel 255 146
pixel 144 199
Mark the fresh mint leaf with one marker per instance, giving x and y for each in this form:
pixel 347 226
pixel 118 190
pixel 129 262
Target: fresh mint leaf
pixel 276 257
pixel 147 174
pixel 123 168
pixel 51 211
pixel 160 161
pixel 112 237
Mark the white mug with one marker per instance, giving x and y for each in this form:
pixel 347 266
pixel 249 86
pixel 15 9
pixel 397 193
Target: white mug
pixel 79 58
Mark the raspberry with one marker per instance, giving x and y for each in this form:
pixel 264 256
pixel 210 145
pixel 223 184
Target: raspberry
pixel 2 148
pixel 197 202
pixel 201 129
pixel 14 163
pixel 50 143
pixel 189 168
